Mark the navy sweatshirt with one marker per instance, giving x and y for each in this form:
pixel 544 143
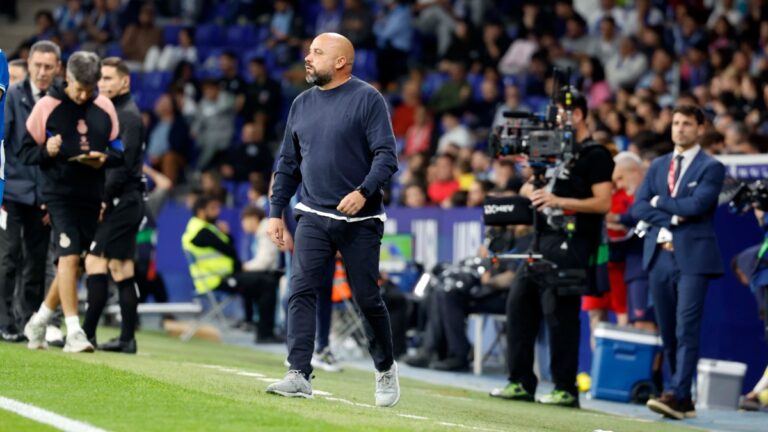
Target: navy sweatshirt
pixel 335 140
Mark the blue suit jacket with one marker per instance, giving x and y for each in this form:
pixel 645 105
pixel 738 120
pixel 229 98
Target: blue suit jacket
pixel 696 248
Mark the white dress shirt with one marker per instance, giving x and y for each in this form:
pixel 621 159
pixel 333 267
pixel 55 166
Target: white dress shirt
pixel 665 235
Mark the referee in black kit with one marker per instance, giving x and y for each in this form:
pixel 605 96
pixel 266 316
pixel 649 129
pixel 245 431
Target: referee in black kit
pixel 114 244
pixel 339 145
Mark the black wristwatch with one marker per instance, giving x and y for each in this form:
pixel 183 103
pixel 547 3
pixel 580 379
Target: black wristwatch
pixel 363 191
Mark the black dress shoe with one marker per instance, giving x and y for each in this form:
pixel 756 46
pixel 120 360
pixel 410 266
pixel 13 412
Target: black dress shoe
pixel 419 360
pixel 451 364
pixel 12 334
pixel 116 345
pixel 270 339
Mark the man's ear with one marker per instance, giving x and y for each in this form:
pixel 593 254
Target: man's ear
pixel 341 62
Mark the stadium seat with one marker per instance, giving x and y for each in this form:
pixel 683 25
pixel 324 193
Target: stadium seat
pixel 155 82
pixel 365 66
pixel 241 37
pixel 537 103
pixel 209 35
pixel 432 82
pixel 216 302
pixel 171 34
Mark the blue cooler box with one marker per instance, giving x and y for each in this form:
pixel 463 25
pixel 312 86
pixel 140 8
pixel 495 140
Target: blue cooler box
pixel 622 365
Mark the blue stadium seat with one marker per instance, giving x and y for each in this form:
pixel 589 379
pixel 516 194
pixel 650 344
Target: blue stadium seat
pixel 171 34
pixel 537 103
pixel 365 66
pixel 135 81
pixel 209 35
pixel 242 37
pixel 241 194
pixel 475 82
pixel 113 50
pixel 155 82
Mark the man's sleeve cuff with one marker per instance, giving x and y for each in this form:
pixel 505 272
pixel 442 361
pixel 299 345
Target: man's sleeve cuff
pixel 276 211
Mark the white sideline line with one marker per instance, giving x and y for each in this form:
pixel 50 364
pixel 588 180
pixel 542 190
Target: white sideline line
pixel 251 374
pixel 411 416
pixel 46 417
pixel 321 393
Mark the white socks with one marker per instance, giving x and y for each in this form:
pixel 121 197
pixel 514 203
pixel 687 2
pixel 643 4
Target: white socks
pixel 73 324
pixel 43 315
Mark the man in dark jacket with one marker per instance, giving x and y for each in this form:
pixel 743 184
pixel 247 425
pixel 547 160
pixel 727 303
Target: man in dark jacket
pixel 24 236
pixel 72 135
pixel 114 245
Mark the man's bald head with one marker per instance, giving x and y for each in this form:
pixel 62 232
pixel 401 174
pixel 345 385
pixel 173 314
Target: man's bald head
pixel 329 60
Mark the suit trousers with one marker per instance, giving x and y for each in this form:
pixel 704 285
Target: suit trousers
pixel 678 300
pixel 23 248
pixel 317 240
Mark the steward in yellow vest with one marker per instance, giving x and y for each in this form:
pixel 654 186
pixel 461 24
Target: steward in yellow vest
pixel 210 252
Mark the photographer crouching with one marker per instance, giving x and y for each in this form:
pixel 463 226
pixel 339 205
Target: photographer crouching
pixel 551 288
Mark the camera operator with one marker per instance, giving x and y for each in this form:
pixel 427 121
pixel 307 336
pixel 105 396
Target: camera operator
pixel 584 192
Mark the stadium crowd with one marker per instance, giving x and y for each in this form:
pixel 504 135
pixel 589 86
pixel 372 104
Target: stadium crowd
pixel 214 81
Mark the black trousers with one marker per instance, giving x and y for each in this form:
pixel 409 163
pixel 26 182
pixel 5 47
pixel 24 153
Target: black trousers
pixel 525 311
pixel 317 240
pixel 453 308
pixel 23 249
pixel 260 287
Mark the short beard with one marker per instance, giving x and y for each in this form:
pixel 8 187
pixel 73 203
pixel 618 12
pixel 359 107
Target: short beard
pixel 319 79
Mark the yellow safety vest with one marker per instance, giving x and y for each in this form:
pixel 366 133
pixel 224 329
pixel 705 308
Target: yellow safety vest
pixel 207 266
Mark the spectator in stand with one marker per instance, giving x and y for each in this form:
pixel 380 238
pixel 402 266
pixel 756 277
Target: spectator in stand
pixel 168 58
pixel 17 71
pixel 626 66
pixel 444 184
pixel 100 27
pixel 607 9
pixel 404 114
pixel 263 97
pixel 455 133
pixel 644 14
pixel 433 17
pixel 455 93
pixel 415 196
pixel 483 111
pixel 357 23
pixel 257 193
pixel 139 37
pixel 186 89
pixel 394 35
pixel 211 185
pixel 577 40
pixel 513 102
pixel 592 82
pixel 477 193
pixel 713 143
pixel 480 163
pixel 463 46
pixel 418 137
pixel 252 156
pixel 284 33
pixel 214 124
pixel 608 43
pixel 329 18
pixel 169 146
pixel 70 17
pixel 45 28
pixel 686 34
pixel 494 43
pixel 231 82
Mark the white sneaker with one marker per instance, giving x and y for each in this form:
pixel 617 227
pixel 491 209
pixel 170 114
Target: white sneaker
pixel 387 387
pixel 326 361
pixel 77 342
pixel 293 385
pixel 54 336
pixel 35 333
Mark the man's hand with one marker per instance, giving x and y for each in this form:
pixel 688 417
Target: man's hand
pixel 53 145
pixel 544 199
pixel 276 231
pixel 352 203
pixel 101 212
pixel 95 159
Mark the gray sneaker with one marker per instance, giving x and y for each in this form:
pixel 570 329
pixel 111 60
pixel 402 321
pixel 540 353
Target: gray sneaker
pixel 35 333
pixel 78 343
pixel 387 387
pixel 293 385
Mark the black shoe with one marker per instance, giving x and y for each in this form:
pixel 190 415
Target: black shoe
pixel 420 360
pixel 116 345
pixel 11 334
pixel 669 406
pixel 270 339
pixel 451 364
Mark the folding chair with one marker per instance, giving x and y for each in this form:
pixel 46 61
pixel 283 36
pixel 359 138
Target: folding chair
pixel 347 323
pixel 216 306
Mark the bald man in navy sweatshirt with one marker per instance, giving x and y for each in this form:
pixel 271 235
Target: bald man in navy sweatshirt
pixel 339 147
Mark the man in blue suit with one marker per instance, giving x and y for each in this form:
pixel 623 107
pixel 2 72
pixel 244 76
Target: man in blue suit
pixel 677 202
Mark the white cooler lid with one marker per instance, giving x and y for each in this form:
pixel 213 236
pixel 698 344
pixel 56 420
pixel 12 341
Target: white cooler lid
pixel 722 367
pixel 632 336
